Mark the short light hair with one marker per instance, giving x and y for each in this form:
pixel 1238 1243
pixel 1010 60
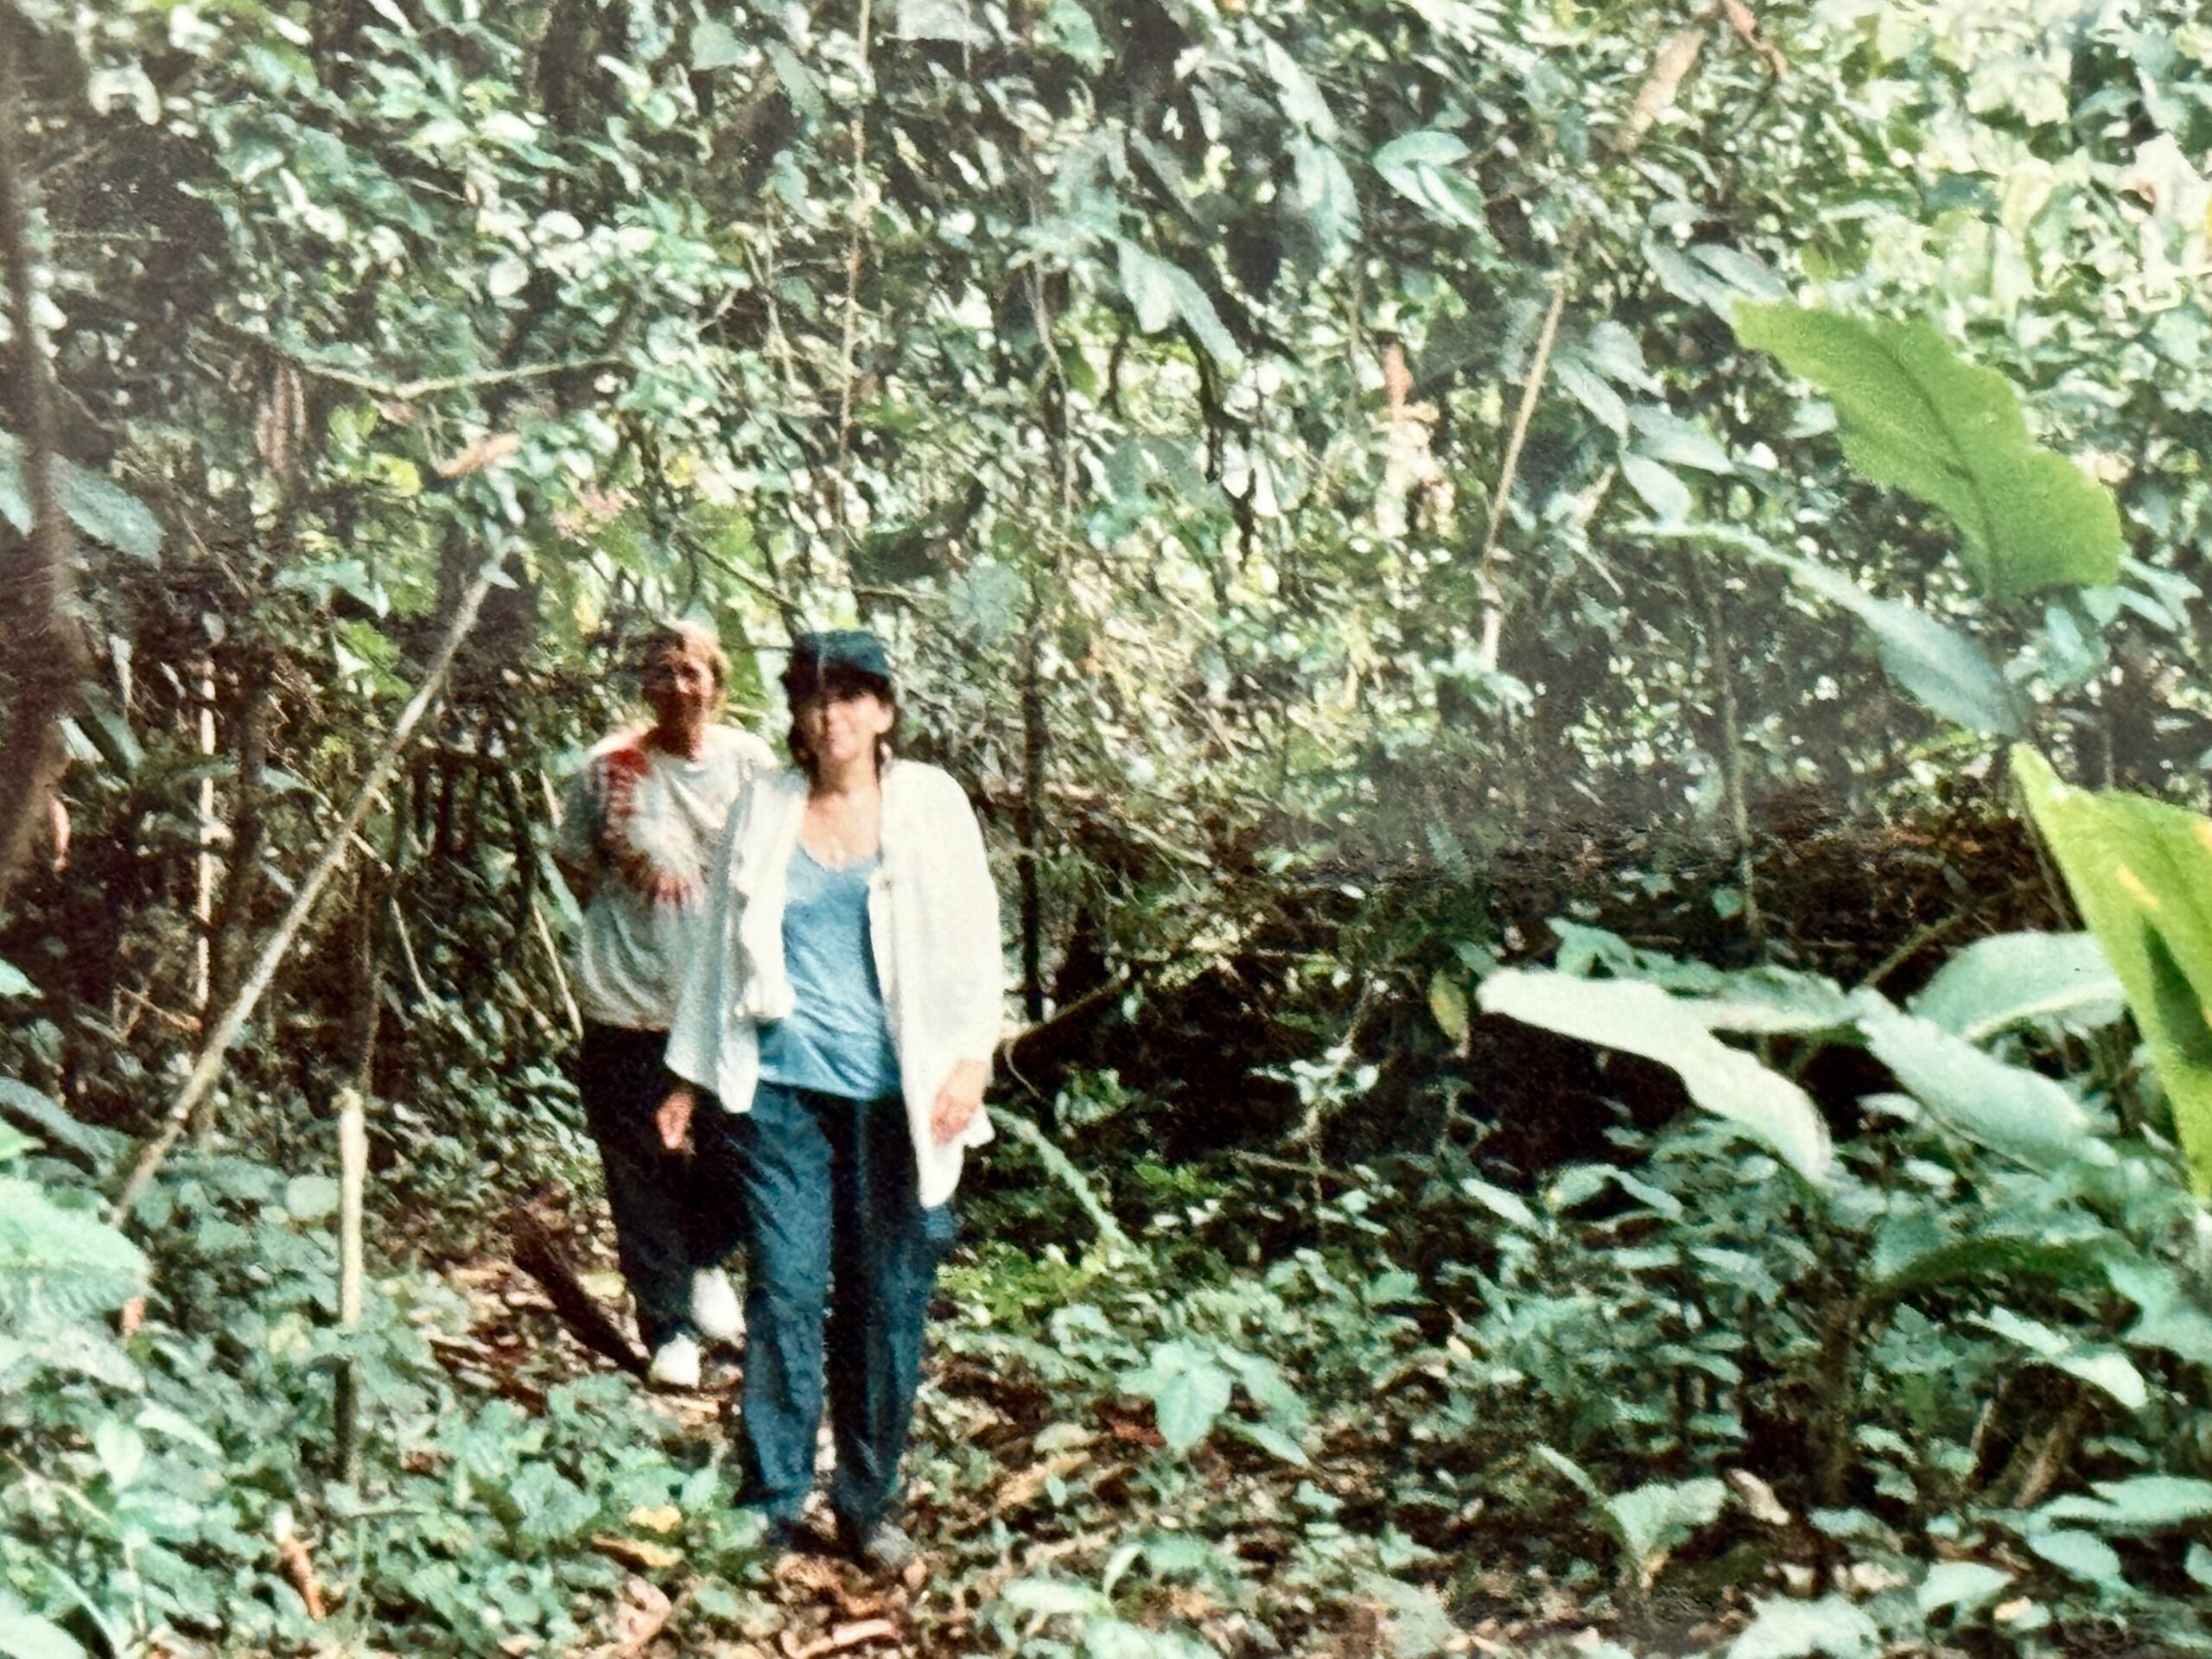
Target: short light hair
pixel 682 635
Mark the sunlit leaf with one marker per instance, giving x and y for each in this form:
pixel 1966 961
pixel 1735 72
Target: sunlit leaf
pixel 2141 872
pixel 1918 416
pixel 1641 1018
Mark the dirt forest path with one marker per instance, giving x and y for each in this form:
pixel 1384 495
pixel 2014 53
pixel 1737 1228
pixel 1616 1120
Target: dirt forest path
pixel 1034 1497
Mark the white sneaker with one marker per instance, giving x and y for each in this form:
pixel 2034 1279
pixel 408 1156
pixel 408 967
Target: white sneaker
pixel 676 1364
pixel 715 1307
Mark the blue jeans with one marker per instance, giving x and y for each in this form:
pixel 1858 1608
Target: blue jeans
pixel 833 1226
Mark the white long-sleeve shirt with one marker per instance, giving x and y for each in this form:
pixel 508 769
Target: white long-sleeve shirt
pixel 933 920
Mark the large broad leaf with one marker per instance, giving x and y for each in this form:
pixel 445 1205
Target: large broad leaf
pixel 1326 195
pixel 1640 1018
pixel 1917 417
pixel 2181 1332
pixel 1115 1638
pixel 940 20
pixel 1301 99
pixel 2081 1555
pixel 2142 1503
pixel 1942 668
pixel 2006 981
pixel 1054 1596
pixel 2141 872
pixel 1162 292
pixel 1189 1391
pixel 715 45
pixel 1415 1621
pixel 2007 1108
pixel 58 1264
pixel 1963 1585
pixel 19 1101
pixel 1417 165
pixel 1656 1517
pixel 1793 1629
pixel 2001 1254
pixel 24 1635
pixel 101 510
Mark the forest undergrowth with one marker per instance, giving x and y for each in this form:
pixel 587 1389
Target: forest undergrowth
pixel 1732 1386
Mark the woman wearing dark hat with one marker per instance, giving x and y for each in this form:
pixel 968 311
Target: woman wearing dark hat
pixel 843 1012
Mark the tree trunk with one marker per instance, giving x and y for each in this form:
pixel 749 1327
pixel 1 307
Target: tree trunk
pixel 42 651
pixel 232 922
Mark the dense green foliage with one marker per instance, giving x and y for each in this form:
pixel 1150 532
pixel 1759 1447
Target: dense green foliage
pixel 1364 497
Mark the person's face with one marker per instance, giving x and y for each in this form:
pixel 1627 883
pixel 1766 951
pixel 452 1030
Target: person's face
pixel 678 685
pixel 841 724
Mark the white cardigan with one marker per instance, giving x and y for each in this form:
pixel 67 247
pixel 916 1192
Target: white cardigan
pixel 933 914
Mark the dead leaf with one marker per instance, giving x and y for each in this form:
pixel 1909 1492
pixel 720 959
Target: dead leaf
pixel 1023 1488
pixel 1124 1428
pixel 838 1637
pixel 640 1553
pixel 1677 56
pixel 645 1613
pixel 492 447
pixel 1758 1497
pixel 1740 19
pixel 280 420
pixel 300 1566
pixel 666 1518
pixel 808 1573
pixel 1397 378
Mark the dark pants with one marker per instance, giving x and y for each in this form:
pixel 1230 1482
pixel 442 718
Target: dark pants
pixel 833 1225
pixel 673 1212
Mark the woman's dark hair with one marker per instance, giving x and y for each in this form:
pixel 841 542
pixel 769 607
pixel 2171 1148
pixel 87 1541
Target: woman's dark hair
pixel 835 682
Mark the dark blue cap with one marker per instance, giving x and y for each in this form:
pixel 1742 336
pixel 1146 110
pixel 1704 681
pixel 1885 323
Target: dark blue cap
pixel 815 656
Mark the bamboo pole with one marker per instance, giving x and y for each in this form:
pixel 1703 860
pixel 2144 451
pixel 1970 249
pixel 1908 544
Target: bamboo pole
pixel 203 862
pixel 352 1184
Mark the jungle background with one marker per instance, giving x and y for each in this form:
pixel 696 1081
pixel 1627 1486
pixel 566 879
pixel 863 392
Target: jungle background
pixel 1514 581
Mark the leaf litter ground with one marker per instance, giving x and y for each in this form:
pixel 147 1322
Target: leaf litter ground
pixel 1044 1500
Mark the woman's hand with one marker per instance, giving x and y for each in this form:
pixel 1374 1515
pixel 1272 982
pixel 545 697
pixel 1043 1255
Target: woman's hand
pixel 673 1119
pixel 957 1101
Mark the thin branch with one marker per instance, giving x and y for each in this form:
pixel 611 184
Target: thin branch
pixel 1485 567
pixel 544 934
pixel 1678 55
pixel 406 391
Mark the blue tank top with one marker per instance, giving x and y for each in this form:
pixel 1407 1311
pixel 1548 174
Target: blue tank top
pixel 838 1041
